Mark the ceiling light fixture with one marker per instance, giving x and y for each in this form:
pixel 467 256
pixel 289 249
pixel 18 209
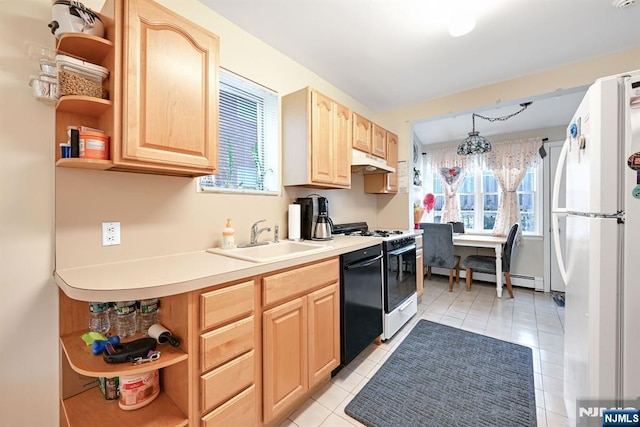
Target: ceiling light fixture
pixel 462 24
pixel 476 144
pixel 622 3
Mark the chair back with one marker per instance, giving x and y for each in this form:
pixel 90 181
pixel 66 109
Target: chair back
pixel 458 227
pixel 507 250
pixel 437 245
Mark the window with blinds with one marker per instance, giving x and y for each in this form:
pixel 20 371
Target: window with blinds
pixel 247 139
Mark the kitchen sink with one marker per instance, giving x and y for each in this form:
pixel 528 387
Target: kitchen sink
pixel 282 250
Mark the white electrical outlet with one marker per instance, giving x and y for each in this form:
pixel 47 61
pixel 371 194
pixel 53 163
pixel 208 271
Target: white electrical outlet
pixel 110 233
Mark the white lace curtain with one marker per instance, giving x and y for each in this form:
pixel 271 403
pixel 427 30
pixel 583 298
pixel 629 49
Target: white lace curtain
pixel 451 207
pixel 448 158
pixel 507 160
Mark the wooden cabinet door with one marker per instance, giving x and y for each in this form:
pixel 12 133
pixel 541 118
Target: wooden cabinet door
pixel 322 138
pixel 170 88
pixel 285 356
pixel 362 133
pixel 324 332
pixel 342 146
pixel 392 160
pixel 379 147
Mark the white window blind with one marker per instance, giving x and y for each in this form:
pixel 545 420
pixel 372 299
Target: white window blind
pixel 247 138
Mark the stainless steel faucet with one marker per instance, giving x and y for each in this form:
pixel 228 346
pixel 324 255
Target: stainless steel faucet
pixel 255 233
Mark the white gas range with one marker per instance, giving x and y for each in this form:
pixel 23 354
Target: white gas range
pixel 400 302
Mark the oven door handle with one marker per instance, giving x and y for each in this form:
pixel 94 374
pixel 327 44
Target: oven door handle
pixel 361 264
pixel 402 250
pixel 405 305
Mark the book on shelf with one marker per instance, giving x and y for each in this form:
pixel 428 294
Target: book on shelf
pixel 83 129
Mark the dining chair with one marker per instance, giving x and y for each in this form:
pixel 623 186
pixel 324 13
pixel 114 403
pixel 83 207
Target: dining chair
pixel 487 264
pixel 458 227
pixel 437 250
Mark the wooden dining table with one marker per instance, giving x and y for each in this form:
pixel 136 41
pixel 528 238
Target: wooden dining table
pixel 484 241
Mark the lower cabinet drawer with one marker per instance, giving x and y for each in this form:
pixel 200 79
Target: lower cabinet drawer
pixel 225 304
pixel 223 344
pixel 224 382
pixel 282 286
pixel 237 412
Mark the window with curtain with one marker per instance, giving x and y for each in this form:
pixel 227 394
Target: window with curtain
pixel 499 188
pixel 248 153
pixel 480 189
pixel 467 196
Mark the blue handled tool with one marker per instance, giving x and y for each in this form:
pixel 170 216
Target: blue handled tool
pixel 100 345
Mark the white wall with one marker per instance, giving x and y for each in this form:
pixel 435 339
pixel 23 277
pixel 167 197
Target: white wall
pixel 28 295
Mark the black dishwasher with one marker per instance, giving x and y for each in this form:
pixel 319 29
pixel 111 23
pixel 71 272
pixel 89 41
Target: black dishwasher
pixel 360 301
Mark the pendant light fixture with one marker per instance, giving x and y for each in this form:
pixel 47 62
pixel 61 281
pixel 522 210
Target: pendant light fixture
pixel 476 144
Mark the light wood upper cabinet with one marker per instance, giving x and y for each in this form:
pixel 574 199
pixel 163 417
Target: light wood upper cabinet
pixel 385 183
pixel 362 133
pixel 322 128
pixel 316 140
pixel 342 153
pixel 392 160
pixel 369 137
pixel 379 147
pixel 169 92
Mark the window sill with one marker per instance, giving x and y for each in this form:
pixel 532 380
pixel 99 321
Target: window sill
pixel 218 190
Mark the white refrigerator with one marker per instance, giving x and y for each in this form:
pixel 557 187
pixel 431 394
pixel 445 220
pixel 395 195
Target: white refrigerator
pixel 601 265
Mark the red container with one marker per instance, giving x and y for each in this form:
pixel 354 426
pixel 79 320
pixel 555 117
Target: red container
pixel 94 145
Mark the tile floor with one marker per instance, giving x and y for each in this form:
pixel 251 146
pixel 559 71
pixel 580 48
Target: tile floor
pixel 531 319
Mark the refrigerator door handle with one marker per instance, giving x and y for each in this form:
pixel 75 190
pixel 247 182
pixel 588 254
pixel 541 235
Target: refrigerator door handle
pixel 556 212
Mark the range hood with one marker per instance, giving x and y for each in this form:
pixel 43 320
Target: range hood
pixel 367 163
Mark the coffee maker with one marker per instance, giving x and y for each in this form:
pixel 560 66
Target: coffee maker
pixel 315 223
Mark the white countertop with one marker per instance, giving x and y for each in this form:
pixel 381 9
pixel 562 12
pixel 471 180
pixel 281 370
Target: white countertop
pixel 179 273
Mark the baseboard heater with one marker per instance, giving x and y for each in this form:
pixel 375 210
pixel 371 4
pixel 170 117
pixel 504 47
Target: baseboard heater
pixel 531 282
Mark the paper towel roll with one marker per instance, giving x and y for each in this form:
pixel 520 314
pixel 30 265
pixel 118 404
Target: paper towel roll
pixel 294 222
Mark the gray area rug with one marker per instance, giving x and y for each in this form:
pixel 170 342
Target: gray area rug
pixel 443 376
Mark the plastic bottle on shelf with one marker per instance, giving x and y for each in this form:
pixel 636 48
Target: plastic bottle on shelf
pixel 99 317
pixel 125 318
pixel 228 240
pixel 112 314
pixel 148 314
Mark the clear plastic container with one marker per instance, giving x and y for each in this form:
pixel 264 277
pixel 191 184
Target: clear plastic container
pixel 99 317
pixel 112 314
pixel 148 314
pixel 125 319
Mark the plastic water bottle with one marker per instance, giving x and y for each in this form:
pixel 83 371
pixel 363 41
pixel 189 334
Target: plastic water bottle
pixel 112 314
pixel 99 317
pixel 125 318
pixel 148 314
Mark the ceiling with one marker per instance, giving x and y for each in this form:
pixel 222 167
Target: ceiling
pixel 546 111
pixel 388 54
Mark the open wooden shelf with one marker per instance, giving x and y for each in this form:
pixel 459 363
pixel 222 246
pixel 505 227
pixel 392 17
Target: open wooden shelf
pixel 91 408
pixel 84 163
pixel 86 363
pixel 85 46
pixel 83 105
